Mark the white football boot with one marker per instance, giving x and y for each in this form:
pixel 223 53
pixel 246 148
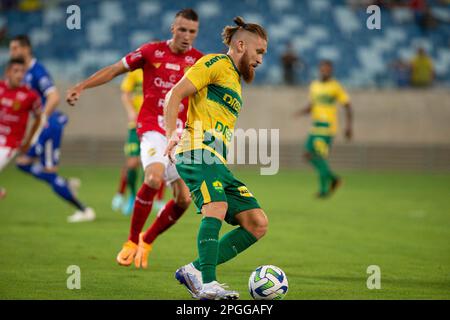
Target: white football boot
pixel 217 291
pixel 191 278
pixel 82 216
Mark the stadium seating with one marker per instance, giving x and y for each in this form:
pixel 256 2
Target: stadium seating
pixel 317 29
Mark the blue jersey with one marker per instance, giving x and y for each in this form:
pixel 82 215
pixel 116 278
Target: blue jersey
pixel 39 79
pixel 49 141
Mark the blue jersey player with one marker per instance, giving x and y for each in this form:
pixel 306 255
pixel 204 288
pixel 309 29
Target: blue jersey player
pixel 41 161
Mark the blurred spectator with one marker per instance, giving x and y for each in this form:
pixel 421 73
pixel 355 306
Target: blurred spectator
pixel 30 5
pixel 8 4
pixel 3 36
pixel 422 71
pixel 423 15
pixel 290 61
pixel 4 41
pixel 401 72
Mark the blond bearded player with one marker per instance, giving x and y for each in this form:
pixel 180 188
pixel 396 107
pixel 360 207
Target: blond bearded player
pixel 213 86
pixel 163 64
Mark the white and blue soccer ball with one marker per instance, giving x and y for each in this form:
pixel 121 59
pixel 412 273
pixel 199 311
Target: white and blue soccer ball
pixel 268 283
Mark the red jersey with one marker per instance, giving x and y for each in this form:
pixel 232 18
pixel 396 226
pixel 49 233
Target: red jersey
pixel 162 69
pixel 15 106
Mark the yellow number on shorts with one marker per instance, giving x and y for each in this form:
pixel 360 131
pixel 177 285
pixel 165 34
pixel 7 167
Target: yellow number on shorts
pixel 321 147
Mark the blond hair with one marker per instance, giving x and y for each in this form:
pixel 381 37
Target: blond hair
pixel 230 31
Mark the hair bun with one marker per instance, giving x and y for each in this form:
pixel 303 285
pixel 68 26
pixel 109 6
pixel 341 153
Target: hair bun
pixel 240 22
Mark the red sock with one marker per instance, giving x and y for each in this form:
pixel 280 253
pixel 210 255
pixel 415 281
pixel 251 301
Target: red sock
pixel 165 219
pixel 142 207
pixel 161 190
pixel 123 181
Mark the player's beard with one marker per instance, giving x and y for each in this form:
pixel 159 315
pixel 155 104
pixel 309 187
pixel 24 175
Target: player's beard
pixel 246 70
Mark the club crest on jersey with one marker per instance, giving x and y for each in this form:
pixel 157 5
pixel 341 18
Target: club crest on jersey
pixel 218 186
pixel 172 66
pixel 159 54
pixel 156 65
pixel 16 105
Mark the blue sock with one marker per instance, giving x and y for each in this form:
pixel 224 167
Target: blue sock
pixel 58 183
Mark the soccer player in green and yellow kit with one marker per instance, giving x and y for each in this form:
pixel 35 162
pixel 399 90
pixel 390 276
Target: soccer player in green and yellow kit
pixel 325 94
pixel 213 86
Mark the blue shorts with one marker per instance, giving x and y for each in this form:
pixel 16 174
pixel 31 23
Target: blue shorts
pixel 49 141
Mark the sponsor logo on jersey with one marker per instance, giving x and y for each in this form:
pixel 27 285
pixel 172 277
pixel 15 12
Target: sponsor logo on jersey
pixel 189 59
pixel 10 117
pixel 151 152
pixel 136 55
pixel 232 101
pixel 161 105
pixel 214 60
pixel 172 66
pixel 244 191
pixel 224 129
pixel 159 54
pixel 2 139
pixel 7 102
pixel 5 129
pixel 160 83
pixel 226 97
pixel 21 96
pixel 180 124
pixel 325 99
pixel 173 78
pixel 156 65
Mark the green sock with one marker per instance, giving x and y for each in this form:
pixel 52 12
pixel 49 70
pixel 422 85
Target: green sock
pixel 208 247
pixel 231 244
pixel 325 174
pixel 131 180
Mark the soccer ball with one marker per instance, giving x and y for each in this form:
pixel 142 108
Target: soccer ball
pixel 268 283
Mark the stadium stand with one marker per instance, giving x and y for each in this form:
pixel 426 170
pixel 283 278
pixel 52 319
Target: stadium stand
pixel 362 56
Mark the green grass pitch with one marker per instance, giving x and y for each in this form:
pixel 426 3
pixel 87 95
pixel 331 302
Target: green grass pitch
pixel 398 221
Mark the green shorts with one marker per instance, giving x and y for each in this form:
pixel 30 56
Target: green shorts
pixel 319 145
pixel 131 148
pixel 213 183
